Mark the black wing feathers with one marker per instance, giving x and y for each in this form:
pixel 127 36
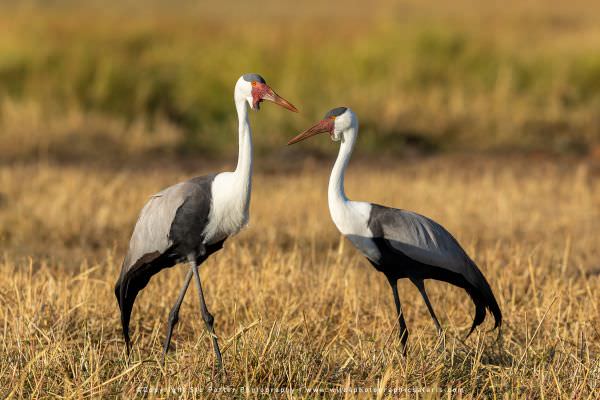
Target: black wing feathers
pixel 185 236
pixel 129 284
pixel 192 217
pixel 434 253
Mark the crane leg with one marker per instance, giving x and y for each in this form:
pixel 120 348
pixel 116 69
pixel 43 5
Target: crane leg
pixel 401 321
pixel 206 315
pixel 421 286
pixel 174 314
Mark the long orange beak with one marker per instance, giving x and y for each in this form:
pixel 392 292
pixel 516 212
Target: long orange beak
pixel 268 94
pixel 322 126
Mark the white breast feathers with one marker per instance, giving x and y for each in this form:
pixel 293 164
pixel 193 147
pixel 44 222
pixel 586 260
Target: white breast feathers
pixel 229 207
pixel 351 217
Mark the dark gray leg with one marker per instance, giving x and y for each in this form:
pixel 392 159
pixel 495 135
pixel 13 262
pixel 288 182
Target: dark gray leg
pixel 421 286
pixel 208 318
pixel 403 330
pixel 174 314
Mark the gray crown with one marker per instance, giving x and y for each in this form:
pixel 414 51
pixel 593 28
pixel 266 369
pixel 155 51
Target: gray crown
pixel 335 112
pixel 253 78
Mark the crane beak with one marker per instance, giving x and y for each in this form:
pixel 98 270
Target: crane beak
pixel 264 92
pixel 322 126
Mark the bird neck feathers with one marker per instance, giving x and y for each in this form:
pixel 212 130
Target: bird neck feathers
pixel 336 193
pixel 243 170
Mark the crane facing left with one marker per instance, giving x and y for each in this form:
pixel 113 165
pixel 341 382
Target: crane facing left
pixel 189 221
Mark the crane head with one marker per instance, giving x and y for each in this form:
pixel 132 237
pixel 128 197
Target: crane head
pixel 335 122
pixel 255 90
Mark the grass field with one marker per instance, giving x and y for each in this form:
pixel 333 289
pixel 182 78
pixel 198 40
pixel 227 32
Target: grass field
pixel 295 306
pixel 483 117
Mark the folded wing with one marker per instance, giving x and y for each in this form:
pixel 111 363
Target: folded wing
pixel 427 242
pixel 162 229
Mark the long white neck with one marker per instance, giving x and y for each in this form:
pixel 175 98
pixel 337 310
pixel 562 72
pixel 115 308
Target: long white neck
pixel 336 195
pixel 243 170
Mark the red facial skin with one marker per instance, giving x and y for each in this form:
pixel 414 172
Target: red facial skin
pixel 262 91
pixel 325 125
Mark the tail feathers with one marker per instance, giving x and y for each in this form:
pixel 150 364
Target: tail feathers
pixel 124 316
pixel 491 303
pixel 126 294
pixel 479 314
pixel 132 281
pixel 495 310
pixel 483 298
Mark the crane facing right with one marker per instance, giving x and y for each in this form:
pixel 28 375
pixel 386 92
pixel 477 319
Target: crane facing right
pixel 399 243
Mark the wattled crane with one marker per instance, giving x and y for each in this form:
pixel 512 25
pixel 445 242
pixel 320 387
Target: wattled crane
pixel 399 243
pixel 189 221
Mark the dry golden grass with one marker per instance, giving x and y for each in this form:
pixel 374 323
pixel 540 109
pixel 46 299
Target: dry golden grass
pixel 104 103
pixel 295 306
pixel 96 101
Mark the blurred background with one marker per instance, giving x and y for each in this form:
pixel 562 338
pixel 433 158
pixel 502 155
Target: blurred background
pixel 134 82
pixel 483 115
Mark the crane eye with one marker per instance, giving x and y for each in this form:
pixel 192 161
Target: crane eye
pixel 332 117
pixel 253 83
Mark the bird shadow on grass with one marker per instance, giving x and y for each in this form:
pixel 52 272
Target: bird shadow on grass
pixel 486 351
pixel 456 351
pixel 456 357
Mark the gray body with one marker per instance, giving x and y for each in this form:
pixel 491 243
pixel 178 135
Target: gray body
pixel 405 244
pixel 421 239
pixel 169 229
pixel 153 229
